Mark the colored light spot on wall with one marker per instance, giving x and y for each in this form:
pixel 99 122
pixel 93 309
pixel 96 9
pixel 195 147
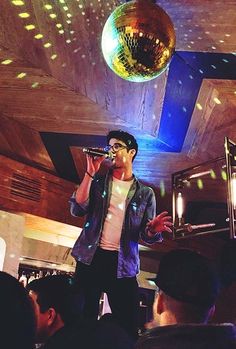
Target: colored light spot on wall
pixel 30 27
pixel 199 107
pixel 200 184
pixel 162 188
pixel 18 2
pixel 38 36
pixel 217 101
pixel 35 85
pixel 21 75
pixel 224 175
pixel 212 174
pixel 6 62
pixel 48 6
pixel 24 15
pixel 47 45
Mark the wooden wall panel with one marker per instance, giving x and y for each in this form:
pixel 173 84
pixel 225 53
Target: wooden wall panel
pixel 23 143
pixel 38 193
pixel 213 119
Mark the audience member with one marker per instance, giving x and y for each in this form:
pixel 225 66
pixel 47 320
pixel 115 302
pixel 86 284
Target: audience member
pixel 17 321
pixel 57 312
pixel 226 304
pixel 59 323
pixel 188 288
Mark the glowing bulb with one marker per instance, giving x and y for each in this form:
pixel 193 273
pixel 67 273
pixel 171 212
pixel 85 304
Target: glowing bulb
pixel 180 205
pixel 233 186
pixel 2 252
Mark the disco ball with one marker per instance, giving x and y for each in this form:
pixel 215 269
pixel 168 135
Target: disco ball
pixel 138 40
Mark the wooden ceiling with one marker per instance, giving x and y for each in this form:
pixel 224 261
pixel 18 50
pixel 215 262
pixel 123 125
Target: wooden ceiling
pixel 57 94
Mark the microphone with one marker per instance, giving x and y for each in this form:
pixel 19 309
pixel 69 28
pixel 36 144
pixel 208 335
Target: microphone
pixel 98 152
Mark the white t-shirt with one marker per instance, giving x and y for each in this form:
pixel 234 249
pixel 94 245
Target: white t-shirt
pixel 110 238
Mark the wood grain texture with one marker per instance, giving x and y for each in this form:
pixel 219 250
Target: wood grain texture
pixel 53 192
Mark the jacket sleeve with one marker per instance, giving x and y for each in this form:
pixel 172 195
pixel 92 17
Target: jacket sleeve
pixel 78 210
pixel 149 214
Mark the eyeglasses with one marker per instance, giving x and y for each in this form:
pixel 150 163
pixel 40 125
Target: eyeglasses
pixel 115 147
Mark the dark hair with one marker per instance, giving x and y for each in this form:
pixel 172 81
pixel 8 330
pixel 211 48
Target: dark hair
pixel 58 292
pixel 126 137
pixel 17 320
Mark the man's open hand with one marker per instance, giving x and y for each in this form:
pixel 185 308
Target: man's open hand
pixel 160 223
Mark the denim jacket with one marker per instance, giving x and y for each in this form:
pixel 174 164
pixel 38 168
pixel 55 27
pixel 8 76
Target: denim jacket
pixel 140 208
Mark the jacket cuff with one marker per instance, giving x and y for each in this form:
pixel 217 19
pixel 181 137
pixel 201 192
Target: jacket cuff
pixel 151 240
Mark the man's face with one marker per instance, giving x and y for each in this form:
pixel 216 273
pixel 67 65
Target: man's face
pixel 123 156
pixel 42 330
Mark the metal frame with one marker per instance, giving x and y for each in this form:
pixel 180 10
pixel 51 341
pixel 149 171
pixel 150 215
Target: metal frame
pixel 230 155
pixel 177 178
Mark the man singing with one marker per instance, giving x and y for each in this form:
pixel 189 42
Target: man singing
pixel 120 210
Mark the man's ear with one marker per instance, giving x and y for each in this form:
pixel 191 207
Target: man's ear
pixel 51 316
pixel 132 152
pixel 160 303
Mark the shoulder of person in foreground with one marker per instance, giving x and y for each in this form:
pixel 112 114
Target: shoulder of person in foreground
pixel 204 336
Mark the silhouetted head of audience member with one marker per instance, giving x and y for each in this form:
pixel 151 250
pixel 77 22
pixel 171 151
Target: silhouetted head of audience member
pixel 55 304
pixel 17 320
pixel 228 263
pixel 188 288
